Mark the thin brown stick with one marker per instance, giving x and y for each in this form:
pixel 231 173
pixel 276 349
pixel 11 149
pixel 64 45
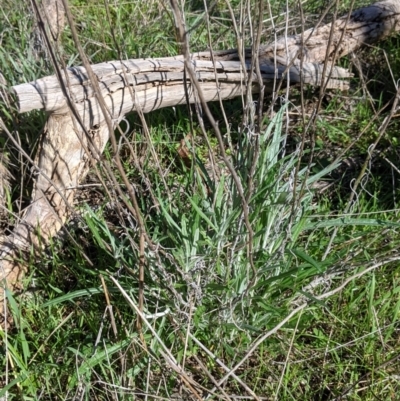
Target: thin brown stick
pixel 141 280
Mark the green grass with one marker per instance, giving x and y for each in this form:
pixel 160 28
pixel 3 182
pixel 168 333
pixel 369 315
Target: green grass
pixel 206 302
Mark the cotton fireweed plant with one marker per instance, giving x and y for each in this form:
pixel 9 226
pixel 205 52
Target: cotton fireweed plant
pixel 201 260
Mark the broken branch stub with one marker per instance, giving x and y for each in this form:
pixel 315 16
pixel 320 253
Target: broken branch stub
pixel 63 158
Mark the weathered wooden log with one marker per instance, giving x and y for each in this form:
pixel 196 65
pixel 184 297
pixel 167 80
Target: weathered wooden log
pixel 158 83
pixel 63 159
pixel 364 26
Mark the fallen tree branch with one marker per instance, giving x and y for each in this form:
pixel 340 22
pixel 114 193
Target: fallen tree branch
pixel 63 157
pixel 157 83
